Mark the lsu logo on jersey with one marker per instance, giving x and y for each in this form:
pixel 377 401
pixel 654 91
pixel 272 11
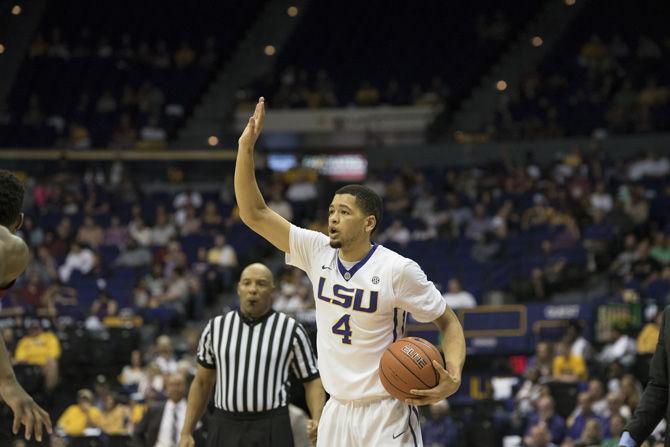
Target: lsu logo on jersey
pixel 348 297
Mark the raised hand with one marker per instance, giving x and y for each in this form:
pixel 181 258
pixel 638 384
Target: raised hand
pixel 254 126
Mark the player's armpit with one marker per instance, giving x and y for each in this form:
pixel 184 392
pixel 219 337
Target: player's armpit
pixel 14 256
pixel 271 226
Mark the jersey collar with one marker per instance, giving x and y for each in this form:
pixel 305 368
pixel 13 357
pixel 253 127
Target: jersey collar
pixel 348 274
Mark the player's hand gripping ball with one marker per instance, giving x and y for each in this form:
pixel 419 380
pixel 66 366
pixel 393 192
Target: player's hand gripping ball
pixel 408 365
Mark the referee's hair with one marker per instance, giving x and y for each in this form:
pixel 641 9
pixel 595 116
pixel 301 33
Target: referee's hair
pixel 11 198
pixel 368 200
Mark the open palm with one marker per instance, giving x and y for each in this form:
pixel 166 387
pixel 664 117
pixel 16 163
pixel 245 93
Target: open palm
pixel 254 126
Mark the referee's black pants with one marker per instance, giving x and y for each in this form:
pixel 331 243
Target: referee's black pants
pixel 264 429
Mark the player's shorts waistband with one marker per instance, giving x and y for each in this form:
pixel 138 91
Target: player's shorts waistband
pixel 249 415
pixel 362 402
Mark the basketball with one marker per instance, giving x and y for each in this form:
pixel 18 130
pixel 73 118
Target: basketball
pixel 408 365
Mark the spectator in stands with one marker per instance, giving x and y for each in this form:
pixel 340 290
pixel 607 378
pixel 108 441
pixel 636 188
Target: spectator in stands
pixel 115 234
pixel 33 234
pixel 367 95
pixel 176 291
pixel 601 200
pixel 80 137
pixel 617 423
pixel 90 233
pixel 545 413
pixel 631 391
pixel 184 199
pixel 104 306
pixel 596 389
pixel 133 255
pixel 623 263
pixel 165 358
pixel 615 406
pixel 139 232
pixel 224 257
pixel 568 367
pixel 479 224
pixel 543 360
pixel 190 223
pixel 152 387
pixel 397 233
pixel 620 348
pixel 637 206
pixel 114 417
pixel 152 135
pixel 155 281
pixel 529 392
pixel 78 417
pixel 124 135
pixel 163 229
pixel 456 297
pixel 440 429
pixel 592 435
pixel 279 204
pixel 647 340
pixel 660 251
pixel 80 259
pixel 539 436
pixel 579 345
pixel 578 424
pixel 134 374
pixel 644 268
pixel 211 218
pixel 157 430
pixel 30 295
pixel 174 257
pixel 41 348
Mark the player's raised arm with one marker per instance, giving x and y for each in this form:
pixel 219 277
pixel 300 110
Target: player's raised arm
pixel 253 210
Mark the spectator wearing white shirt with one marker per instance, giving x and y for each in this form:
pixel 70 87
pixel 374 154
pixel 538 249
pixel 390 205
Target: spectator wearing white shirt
pixel 601 200
pixel 621 348
pixel 165 359
pixel 162 231
pixel 185 200
pixel 79 259
pixel 397 233
pixel 139 232
pixel 457 298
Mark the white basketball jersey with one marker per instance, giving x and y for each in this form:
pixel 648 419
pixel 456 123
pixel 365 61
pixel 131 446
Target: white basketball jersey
pixel 360 310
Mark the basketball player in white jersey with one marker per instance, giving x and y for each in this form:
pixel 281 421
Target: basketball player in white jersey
pixel 363 292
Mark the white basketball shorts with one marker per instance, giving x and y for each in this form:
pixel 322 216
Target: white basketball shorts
pixel 379 422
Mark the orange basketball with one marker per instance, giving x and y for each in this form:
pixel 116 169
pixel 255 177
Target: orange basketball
pixel 408 365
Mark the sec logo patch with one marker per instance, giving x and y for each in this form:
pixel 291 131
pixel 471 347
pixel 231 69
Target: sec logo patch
pixel 375 280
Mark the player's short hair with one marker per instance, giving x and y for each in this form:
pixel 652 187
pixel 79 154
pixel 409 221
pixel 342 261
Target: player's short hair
pixel 368 201
pixel 11 198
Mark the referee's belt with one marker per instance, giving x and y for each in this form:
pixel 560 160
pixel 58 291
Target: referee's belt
pixel 250 415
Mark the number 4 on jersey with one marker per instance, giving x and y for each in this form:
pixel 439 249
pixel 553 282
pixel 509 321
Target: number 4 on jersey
pixel 342 328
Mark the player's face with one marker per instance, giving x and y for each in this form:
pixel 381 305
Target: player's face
pixel 347 224
pixel 255 290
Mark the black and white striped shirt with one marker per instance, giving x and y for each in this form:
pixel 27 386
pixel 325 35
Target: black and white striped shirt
pixel 252 359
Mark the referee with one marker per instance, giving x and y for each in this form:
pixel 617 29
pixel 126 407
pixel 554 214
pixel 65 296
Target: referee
pixel 248 353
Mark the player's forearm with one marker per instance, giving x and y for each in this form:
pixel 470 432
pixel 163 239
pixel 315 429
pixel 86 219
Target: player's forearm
pixel 315 396
pixel 198 396
pixel 453 341
pixel 248 195
pixel 7 376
